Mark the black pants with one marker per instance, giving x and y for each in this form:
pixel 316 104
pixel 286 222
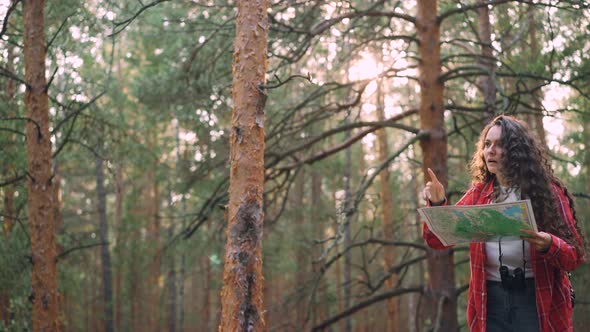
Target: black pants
pixel 512 310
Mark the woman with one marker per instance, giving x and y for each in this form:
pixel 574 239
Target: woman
pixel 518 284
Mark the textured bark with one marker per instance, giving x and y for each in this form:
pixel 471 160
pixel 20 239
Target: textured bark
pixel 347 215
pixel 441 282
pixel 387 218
pixel 8 210
pixel 242 278
pixel 171 284
pixel 486 60
pixel 171 300
pixel 8 201
pixel 182 268
pixel 339 300
pixel 40 187
pixel 104 250
pixel 586 156
pixel 119 194
pixel 321 311
pixel 153 288
pixel 301 253
pixel 206 318
pixel 8 216
pixel 416 273
pixel 172 296
pixel 58 204
pixel 537 95
pixel 136 299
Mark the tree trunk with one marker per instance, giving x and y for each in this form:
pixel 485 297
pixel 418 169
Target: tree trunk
pixel 321 312
pixel 8 222
pixel 57 209
pixel 347 215
pixel 301 253
pixel 387 218
pixel 171 281
pixel 339 299
pixel 8 216
pixel 486 60
pixel 104 249
pixel 412 232
pixel 182 268
pixel 40 187
pixel 206 319
pixel 153 288
pixel 441 281
pixel 119 194
pixel 537 95
pixel 242 278
pixel 136 292
pixel 170 302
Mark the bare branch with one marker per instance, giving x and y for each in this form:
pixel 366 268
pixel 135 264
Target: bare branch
pixel 86 246
pixel 63 24
pixel 120 26
pixel 7 16
pixel 15 179
pixel 375 299
pixel 274 86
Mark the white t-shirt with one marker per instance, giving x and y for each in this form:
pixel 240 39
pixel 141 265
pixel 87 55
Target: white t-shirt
pixel 512 251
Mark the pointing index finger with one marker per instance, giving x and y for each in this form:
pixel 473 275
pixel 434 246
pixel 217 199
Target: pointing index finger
pixel 433 176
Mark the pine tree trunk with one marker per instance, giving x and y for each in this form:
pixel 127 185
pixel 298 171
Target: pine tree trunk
pixel 537 94
pixel 347 216
pixel 8 201
pixel 153 290
pixel 58 205
pixel 183 226
pixel 301 253
pixel 387 218
pixel 207 295
pixel 105 253
pixel 204 288
pixel 171 280
pixel 321 311
pixel 242 278
pixel 172 296
pixel 339 298
pixel 8 216
pixel 586 156
pixel 119 194
pixel 136 297
pixel 486 60
pixel 8 222
pixel 413 232
pixel 40 188
pixel 441 282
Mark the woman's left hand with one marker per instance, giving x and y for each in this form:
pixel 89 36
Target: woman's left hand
pixel 540 240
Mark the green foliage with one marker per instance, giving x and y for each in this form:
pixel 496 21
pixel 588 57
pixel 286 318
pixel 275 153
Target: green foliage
pixel 15 276
pixel 170 69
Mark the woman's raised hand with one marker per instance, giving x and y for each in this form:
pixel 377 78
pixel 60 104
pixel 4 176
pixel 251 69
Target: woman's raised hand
pixel 434 190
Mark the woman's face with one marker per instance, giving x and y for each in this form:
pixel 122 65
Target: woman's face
pixel 492 150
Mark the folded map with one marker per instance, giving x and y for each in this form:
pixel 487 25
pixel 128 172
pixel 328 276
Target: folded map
pixel 479 223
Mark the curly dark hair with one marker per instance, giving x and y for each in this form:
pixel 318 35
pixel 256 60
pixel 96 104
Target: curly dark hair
pixel 525 165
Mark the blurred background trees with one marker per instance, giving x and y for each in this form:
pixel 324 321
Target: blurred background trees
pixel 361 97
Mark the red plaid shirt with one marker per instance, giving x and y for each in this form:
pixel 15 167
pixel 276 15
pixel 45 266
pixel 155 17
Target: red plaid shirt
pixel 552 285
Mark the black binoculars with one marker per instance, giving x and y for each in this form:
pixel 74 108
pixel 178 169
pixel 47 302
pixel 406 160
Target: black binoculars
pixel 513 282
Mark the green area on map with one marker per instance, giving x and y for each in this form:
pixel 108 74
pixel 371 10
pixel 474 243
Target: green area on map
pixel 482 223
